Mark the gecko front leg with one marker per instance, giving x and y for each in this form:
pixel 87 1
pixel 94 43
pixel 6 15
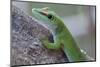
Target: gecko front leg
pixel 49 45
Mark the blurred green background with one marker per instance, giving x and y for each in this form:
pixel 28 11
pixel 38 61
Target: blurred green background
pixel 79 19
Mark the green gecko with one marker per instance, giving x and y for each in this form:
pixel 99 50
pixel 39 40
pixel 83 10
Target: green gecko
pixel 63 39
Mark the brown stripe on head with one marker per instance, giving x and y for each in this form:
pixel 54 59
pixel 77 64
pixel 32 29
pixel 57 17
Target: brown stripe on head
pixel 45 10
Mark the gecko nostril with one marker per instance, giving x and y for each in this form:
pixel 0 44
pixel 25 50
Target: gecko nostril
pixel 33 9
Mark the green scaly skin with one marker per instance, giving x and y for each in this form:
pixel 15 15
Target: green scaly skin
pixel 62 36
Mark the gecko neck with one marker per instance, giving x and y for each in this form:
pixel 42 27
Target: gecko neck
pixel 58 27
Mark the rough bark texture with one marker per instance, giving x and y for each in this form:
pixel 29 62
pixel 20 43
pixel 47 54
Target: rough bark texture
pixel 26 45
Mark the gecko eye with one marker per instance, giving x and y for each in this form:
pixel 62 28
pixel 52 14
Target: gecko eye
pixel 50 17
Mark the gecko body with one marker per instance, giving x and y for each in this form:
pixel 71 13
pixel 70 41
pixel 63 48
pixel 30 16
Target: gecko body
pixel 63 39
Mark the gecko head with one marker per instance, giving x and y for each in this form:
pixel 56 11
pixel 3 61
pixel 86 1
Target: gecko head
pixel 45 14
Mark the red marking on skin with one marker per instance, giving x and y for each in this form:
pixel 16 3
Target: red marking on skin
pixel 45 13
